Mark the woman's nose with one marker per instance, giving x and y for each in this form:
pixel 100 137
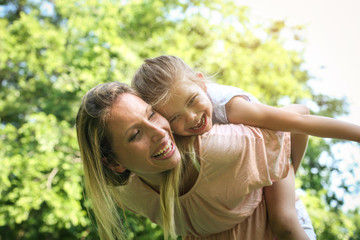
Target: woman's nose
pixel 157 133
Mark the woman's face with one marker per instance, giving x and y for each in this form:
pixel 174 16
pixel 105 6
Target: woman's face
pixel 141 138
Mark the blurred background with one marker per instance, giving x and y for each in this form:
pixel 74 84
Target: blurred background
pixel 53 52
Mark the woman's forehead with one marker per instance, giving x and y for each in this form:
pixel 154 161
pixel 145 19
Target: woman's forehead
pixel 128 104
pixel 127 111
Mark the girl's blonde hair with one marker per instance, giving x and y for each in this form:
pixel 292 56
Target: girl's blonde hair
pixel 154 79
pixel 100 181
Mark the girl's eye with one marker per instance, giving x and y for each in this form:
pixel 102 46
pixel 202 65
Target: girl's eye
pixel 173 118
pixel 134 136
pixel 192 100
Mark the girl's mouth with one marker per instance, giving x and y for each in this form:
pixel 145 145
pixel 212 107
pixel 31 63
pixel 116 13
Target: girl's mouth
pixel 200 126
pixel 166 152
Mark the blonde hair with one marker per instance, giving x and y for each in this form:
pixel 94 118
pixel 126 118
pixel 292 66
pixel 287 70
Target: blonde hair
pixel 100 181
pixel 154 79
pixel 94 145
pixel 170 197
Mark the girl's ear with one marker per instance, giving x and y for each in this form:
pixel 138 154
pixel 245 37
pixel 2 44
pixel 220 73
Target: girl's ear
pixel 200 75
pixel 202 81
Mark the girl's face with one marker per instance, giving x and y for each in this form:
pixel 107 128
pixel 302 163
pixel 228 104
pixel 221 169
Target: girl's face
pixel 141 138
pixel 189 109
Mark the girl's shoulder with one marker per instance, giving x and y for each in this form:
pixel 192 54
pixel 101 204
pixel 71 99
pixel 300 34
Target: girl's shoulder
pixel 221 94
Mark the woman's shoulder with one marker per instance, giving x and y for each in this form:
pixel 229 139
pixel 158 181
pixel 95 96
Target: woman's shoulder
pixel 237 141
pixel 131 189
pixel 225 142
pixel 136 196
pixel 230 131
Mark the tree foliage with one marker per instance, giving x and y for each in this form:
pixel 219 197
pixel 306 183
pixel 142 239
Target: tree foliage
pixel 52 52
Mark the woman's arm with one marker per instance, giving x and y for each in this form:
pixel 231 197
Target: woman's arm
pixel 259 115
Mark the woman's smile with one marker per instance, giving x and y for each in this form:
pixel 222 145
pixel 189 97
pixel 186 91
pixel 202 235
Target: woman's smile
pixel 141 138
pixel 165 152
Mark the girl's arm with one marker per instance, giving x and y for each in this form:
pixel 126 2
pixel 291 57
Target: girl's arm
pixel 239 110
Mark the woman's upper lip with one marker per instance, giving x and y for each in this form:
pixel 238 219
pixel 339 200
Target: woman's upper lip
pixel 162 146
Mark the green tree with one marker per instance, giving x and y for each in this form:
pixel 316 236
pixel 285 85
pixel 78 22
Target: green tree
pixel 52 52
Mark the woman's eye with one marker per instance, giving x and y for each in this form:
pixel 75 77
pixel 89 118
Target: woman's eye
pixel 152 114
pixel 134 136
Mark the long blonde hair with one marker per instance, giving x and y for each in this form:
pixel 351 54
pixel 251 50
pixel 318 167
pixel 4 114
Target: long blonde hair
pixel 94 145
pixel 100 181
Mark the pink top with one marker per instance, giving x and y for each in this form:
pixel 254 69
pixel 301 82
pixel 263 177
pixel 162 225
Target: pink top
pixel 227 199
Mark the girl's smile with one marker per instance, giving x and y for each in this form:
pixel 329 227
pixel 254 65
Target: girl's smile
pixel 188 108
pixel 200 126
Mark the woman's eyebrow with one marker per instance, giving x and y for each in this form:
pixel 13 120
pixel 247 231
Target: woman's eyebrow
pixel 147 110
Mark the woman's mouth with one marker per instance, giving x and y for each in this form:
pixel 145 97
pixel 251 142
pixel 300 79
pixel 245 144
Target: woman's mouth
pixel 167 151
pixel 200 126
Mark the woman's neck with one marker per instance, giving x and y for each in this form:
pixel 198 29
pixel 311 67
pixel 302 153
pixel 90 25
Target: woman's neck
pixel 188 179
pixel 189 175
pixel 153 180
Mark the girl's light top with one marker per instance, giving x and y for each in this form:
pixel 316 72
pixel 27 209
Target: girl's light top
pixel 220 95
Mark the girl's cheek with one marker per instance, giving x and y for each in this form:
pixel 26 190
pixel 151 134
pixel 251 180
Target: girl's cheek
pixel 179 127
pixel 173 127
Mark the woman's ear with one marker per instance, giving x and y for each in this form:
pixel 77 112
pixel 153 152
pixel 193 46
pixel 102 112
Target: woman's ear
pixel 201 81
pixel 113 166
pixel 116 167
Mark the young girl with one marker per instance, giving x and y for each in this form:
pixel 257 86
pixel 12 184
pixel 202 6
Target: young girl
pixel 191 105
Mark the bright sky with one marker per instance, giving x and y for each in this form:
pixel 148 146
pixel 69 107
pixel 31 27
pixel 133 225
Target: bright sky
pixel 332 56
pixel 333 42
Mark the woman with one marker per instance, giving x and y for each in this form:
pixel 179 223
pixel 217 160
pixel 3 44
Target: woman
pixel 131 160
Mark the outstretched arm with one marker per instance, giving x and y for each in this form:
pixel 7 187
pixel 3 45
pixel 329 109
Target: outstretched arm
pixel 242 111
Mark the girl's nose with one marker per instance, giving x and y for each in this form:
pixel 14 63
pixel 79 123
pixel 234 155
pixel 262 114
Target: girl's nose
pixel 190 117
